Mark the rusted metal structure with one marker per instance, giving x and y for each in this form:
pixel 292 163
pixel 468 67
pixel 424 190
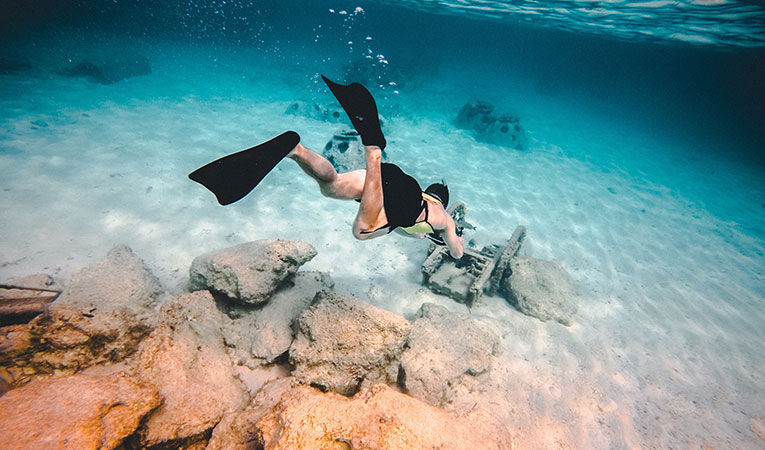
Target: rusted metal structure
pixel 20 304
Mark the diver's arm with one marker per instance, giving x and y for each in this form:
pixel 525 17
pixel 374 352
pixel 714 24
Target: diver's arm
pixel 453 241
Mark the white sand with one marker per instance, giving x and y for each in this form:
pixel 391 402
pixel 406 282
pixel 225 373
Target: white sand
pixel 667 348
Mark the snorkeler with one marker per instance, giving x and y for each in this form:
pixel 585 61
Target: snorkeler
pixel 389 198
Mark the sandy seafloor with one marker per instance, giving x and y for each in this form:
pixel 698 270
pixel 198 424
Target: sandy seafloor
pixel 666 246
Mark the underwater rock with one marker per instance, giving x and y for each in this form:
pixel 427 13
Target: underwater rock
pixel 266 333
pixel 444 348
pixel 346 152
pixel 238 430
pixel 13 62
pixel 19 306
pixel 81 411
pixel 185 359
pixel 376 417
pixel 342 342
pixel 541 289
pixel 486 126
pixel 102 315
pixel 249 272
pixel 110 70
pixel 316 111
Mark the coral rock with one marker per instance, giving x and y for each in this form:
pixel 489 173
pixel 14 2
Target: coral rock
pixel 249 272
pixel 81 411
pixel 443 351
pixel 342 342
pixel 264 334
pixel 185 358
pixel 102 316
pixel 377 417
pixel 111 69
pixel 504 129
pixel 346 152
pixel 316 111
pixel 541 289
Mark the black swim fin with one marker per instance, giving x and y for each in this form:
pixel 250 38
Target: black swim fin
pixel 232 177
pixel 361 109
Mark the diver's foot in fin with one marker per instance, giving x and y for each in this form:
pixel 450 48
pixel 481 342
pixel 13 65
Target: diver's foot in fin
pixel 361 109
pixel 232 177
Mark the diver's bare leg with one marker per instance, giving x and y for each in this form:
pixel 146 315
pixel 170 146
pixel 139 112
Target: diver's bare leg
pixel 331 184
pixel 371 211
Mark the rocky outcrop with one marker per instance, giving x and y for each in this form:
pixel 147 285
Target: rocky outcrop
pixel 249 272
pixel 109 70
pixel 185 359
pixel 443 351
pixel 501 129
pixel 262 335
pixel 345 152
pixel 103 314
pixel 342 342
pixel 81 411
pixel 292 416
pixel 541 289
pixel 11 62
pixel 316 111
pixel 238 430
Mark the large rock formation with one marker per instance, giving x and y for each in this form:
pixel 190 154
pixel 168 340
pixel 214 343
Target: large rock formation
pixel 541 289
pixel 262 335
pixel 310 108
pixel 12 62
pixel 103 314
pixel 111 69
pixel 346 152
pixel 443 351
pixel 291 416
pixel 81 411
pixel 342 342
pixel 504 129
pixel 249 272
pixel 185 358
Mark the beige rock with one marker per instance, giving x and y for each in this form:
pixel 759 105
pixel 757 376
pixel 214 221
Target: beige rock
pixel 541 289
pixel 102 316
pixel 261 335
pixel 238 430
pixel 249 272
pixel 185 358
pixel 378 417
pixel 81 411
pixel 445 350
pixel 342 342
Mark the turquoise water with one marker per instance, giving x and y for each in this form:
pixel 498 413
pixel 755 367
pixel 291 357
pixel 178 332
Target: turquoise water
pixel 643 175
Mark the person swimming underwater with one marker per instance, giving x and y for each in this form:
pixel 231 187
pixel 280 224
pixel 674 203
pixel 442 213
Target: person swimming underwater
pixel 390 200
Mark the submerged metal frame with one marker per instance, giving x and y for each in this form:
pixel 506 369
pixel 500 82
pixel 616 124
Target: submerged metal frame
pixel 477 272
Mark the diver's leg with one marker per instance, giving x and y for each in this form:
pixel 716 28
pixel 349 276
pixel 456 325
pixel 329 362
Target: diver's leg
pixel 371 213
pixel 341 186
